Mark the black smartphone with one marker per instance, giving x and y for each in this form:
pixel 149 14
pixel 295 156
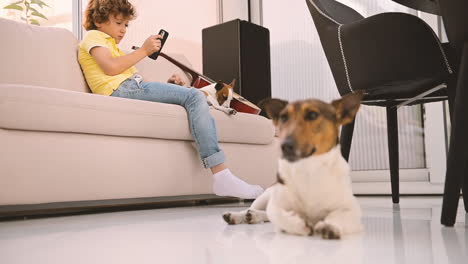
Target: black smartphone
pixel 164 34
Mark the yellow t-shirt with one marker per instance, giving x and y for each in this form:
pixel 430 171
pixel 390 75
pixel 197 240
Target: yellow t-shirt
pixel 98 81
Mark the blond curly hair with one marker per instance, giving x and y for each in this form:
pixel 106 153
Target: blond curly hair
pixel 99 11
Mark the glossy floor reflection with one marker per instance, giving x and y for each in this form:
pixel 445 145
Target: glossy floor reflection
pixel 410 233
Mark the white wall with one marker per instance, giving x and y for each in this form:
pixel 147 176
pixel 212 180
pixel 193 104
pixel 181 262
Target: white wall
pixel 233 9
pixel 183 19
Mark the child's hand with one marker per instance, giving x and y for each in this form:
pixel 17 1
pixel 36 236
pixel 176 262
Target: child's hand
pixel 152 44
pixel 176 79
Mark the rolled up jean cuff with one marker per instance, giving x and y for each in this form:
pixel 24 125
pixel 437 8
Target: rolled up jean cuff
pixel 214 159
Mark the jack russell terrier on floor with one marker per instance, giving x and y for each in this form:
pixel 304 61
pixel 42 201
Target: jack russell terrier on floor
pixel 313 192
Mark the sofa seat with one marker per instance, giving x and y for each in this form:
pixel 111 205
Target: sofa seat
pixel 27 107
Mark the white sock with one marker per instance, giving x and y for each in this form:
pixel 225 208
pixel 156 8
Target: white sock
pixel 226 184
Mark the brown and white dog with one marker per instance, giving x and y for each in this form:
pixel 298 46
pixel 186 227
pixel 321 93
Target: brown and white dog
pixel 313 191
pixel 218 95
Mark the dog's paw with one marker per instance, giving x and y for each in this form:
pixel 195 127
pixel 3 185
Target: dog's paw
pixel 294 224
pixel 228 218
pixel 255 216
pixel 229 111
pixel 245 217
pixel 327 231
pixel 235 218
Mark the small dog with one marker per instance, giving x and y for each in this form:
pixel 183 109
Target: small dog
pixel 218 95
pixel 313 191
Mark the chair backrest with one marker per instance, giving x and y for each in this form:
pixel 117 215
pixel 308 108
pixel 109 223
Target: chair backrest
pixel 411 59
pixel 328 15
pixel 337 11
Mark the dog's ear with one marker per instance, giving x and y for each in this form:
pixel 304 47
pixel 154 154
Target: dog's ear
pixel 272 107
pixel 347 107
pixel 219 85
pixel 233 83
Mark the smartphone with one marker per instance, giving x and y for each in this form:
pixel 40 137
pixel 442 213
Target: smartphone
pixel 164 34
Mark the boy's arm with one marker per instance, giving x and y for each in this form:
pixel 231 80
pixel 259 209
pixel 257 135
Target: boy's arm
pixel 116 65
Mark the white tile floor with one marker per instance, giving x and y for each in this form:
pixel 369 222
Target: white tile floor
pixel 409 234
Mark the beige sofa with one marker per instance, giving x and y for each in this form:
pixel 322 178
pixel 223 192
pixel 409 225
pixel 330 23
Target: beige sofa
pixel 60 143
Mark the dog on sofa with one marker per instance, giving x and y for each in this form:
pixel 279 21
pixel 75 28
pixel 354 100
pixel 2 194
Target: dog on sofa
pixel 313 192
pixel 218 95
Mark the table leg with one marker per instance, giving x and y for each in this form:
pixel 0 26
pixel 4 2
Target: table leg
pixel 465 193
pixel 346 139
pixel 458 150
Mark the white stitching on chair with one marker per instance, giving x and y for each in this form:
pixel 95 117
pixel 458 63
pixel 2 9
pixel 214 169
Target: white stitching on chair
pixel 449 69
pixel 323 14
pixel 339 40
pixel 344 58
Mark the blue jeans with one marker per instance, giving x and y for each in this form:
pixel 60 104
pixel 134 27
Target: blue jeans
pixel 202 125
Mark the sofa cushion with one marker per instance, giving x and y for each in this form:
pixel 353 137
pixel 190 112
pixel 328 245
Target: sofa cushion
pixel 42 56
pixel 26 107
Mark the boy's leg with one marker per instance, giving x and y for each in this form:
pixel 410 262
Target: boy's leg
pixel 201 123
pixel 202 127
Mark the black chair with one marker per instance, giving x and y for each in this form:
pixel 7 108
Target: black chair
pixel 395 58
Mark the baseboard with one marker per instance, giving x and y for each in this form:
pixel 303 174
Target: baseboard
pixel 15 212
pixel 24 211
pixel 406 188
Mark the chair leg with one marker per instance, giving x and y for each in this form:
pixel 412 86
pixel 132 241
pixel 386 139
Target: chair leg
pixel 465 193
pixel 458 148
pixel 346 139
pixel 392 130
pixel 464 83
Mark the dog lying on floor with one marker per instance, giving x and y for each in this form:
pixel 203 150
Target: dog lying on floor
pixel 313 192
pixel 218 95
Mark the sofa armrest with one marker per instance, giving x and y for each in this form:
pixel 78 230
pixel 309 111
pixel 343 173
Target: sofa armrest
pixel 388 47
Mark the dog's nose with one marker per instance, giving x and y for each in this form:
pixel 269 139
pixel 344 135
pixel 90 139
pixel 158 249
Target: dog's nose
pixel 288 147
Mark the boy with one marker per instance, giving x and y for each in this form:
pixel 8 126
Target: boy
pixel 109 71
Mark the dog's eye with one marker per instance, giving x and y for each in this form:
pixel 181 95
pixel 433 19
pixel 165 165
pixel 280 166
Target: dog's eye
pixel 311 115
pixel 284 117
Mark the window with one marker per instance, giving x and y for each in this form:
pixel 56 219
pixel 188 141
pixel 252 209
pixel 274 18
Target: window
pixel 52 13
